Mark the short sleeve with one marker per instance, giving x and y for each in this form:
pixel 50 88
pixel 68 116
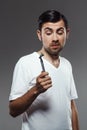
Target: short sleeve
pixel 19 81
pixel 73 91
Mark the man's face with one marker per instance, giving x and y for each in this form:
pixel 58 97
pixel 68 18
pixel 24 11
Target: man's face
pixel 53 36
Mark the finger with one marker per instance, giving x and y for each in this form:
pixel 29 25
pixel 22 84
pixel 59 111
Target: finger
pixel 47 78
pixel 43 74
pixel 48 82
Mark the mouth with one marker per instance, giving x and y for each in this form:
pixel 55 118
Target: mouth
pixel 56 46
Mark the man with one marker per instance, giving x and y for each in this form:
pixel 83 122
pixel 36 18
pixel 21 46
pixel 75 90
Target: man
pixel 43 88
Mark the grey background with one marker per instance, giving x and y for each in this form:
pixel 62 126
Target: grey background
pixel 18 24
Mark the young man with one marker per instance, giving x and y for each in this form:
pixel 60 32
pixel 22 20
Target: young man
pixel 43 88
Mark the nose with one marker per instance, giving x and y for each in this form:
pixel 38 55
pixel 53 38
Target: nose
pixel 55 37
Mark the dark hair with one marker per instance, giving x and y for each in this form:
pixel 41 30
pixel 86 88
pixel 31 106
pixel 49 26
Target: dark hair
pixel 51 16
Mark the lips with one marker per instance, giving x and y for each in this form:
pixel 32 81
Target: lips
pixel 55 46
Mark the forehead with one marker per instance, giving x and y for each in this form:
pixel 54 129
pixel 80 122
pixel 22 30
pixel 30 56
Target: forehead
pixel 52 25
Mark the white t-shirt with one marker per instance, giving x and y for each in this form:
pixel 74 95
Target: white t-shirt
pixel 51 110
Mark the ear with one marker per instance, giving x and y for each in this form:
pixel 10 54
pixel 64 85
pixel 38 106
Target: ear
pixel 67 33
pixel 39 34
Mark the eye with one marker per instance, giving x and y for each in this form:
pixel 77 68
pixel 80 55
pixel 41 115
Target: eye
pixel 60 32
pixel 48 32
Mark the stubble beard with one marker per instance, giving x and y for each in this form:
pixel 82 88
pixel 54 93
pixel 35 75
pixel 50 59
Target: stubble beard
pixel 53 52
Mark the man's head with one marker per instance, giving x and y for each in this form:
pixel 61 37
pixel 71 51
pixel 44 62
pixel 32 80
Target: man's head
pixel 53 31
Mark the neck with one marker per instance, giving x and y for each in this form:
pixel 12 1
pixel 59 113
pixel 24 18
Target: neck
pixel 53 59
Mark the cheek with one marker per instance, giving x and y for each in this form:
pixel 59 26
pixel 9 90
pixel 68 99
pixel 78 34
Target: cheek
pixel 63 38
pixel 46 40
pixel 64 41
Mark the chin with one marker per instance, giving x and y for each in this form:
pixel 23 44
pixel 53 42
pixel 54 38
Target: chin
pixel 53 51
pixel 56 52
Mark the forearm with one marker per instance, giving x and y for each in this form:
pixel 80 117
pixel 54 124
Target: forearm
pixel 21 104
pixel 75 121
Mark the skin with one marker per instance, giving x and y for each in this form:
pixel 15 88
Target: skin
pixel 53 37
pixel 75 121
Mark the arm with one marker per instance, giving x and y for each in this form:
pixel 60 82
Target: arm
pixel 21 104
pixel 75 122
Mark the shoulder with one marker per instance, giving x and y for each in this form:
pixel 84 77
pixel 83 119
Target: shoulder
pixel 65 62
pixel 27 57
pixel 26 60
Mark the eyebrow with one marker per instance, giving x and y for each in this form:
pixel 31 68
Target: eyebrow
pixel 60 28
pixel 47 28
